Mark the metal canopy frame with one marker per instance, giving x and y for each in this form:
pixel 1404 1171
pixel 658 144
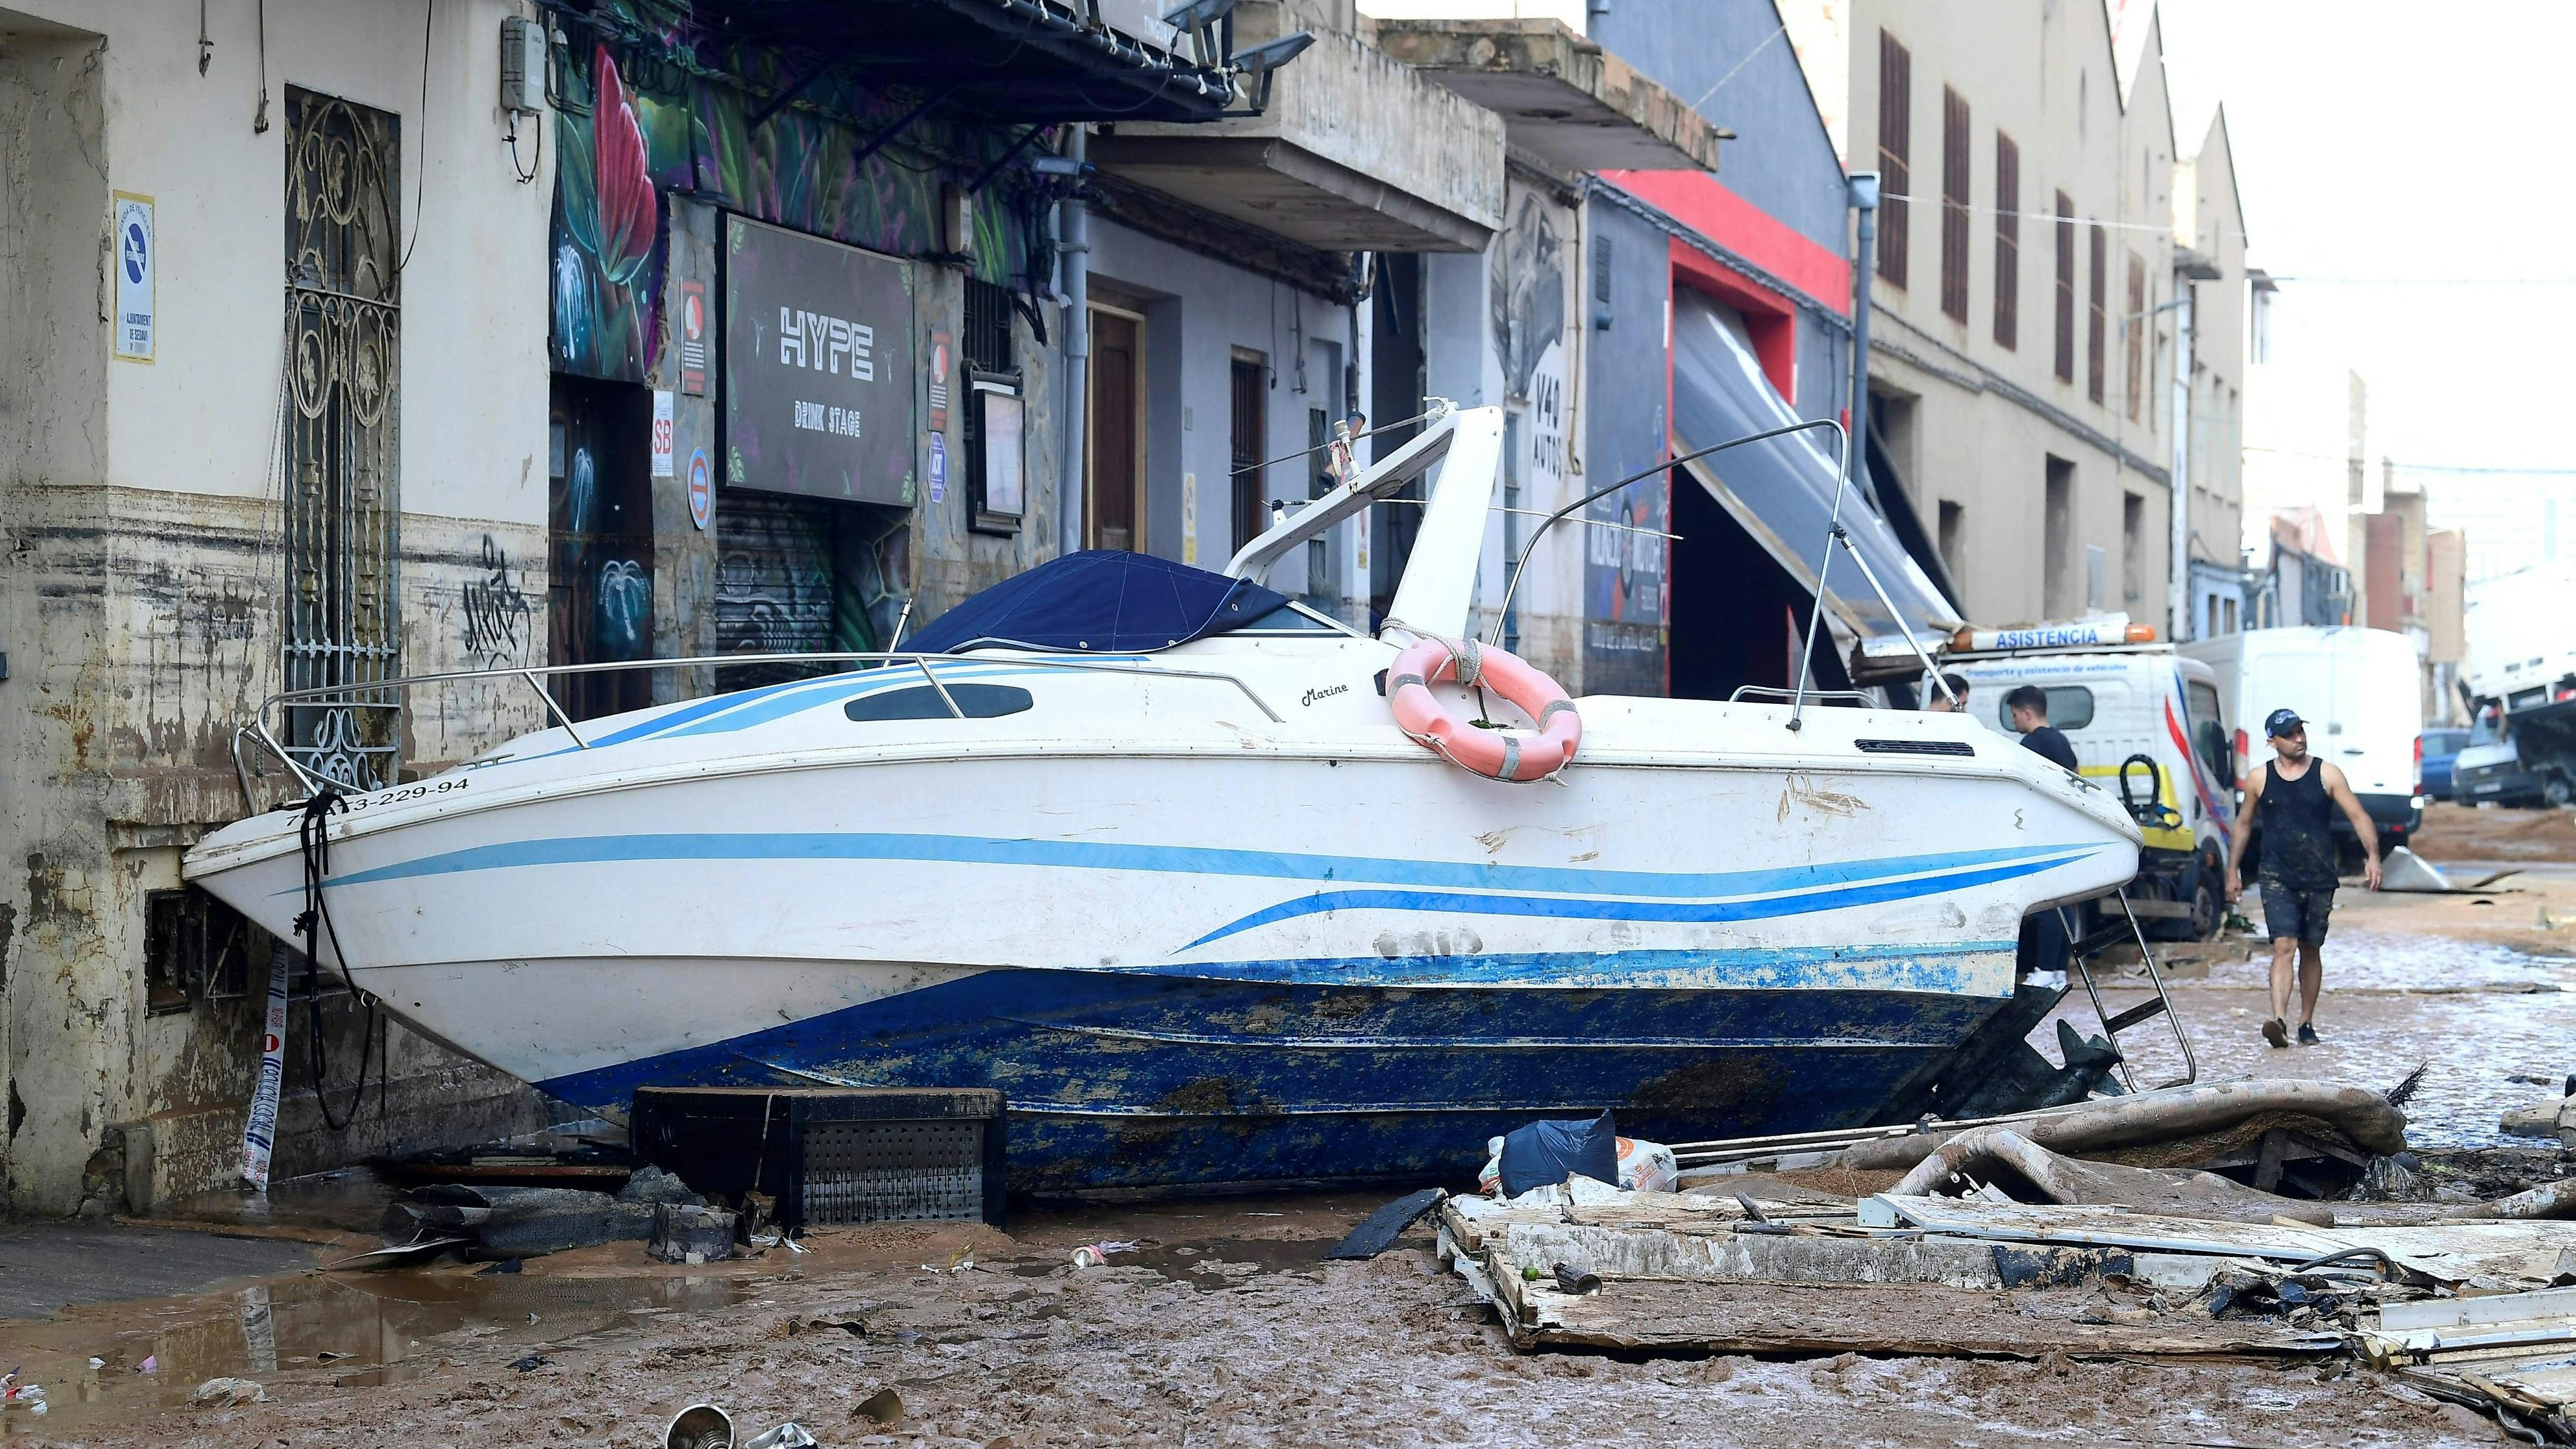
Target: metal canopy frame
pixel 1036 62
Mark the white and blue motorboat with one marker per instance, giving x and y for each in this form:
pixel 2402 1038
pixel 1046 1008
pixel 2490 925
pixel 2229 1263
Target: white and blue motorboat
pixel 1140 846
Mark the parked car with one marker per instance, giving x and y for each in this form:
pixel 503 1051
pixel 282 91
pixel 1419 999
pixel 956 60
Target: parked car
pixel 2440 747
pixel 2361 693
pixel 2521 756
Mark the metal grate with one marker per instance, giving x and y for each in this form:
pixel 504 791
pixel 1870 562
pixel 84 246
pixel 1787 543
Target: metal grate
pixel 1916 747
pixel 880 1172
pixel 343 468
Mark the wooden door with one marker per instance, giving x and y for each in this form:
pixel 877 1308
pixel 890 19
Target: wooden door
pixel 1116 487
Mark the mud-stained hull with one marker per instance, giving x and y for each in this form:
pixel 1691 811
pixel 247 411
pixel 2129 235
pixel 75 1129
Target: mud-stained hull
pixel 1123 1081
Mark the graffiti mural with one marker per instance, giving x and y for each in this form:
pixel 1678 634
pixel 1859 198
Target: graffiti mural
pixel 1529 292
pixel 797 576
pixel 632 123
pixel 500 623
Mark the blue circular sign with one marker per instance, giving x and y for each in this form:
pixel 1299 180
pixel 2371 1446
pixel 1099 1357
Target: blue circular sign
pixel 135 259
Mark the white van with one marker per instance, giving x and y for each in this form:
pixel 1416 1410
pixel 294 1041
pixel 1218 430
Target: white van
pixel 2142 709
pixel 2361 693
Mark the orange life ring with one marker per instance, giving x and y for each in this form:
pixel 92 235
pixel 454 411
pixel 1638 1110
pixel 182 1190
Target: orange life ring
pixel 1497 754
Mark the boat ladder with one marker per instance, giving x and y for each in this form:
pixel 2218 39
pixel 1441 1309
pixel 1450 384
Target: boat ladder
pixel 2079 959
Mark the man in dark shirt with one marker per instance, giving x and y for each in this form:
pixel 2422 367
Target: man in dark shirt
pixel 2029 706
pixel 2293 797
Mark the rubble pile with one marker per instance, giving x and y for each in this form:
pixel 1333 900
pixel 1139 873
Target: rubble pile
pixel 2151 1226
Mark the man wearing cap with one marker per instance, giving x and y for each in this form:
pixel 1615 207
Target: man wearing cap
pixel 2293 796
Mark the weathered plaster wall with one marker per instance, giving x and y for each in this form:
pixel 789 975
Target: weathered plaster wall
pixel 140 571
pixel 1199 313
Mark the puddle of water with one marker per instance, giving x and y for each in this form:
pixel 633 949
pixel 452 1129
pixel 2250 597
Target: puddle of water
pixel 363 1328
pixel 2367 960
pixel 1207 1264
pixel 1228 1262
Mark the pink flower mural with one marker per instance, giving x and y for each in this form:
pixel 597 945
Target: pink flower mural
pixel 629 211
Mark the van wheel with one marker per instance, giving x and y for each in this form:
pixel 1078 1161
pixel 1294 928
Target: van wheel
pixel 2205 916
pixel 2557 792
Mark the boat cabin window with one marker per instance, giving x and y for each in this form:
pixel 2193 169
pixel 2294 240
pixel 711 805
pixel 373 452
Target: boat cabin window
pixel 1293 618
pixel 975 701
pixel 2070 706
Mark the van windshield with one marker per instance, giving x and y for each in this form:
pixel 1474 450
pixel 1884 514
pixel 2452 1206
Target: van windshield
pixel 2487 731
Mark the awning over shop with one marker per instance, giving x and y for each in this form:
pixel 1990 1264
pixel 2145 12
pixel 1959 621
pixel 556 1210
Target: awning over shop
pixel 1039 61
pixel 1782 492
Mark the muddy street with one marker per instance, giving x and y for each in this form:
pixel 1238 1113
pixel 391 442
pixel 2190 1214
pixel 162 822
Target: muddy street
pixel 1228 1328
pixel 1225 1324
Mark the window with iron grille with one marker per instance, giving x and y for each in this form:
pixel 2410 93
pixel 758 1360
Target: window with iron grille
pixel 2135 325
pixel 1954 205
pixel 986 339
pixel 2093 339
pixel 1249 443
pixel 2065 288
pixel 343 467
pixel 2007 242
pixel 992 392
pixel 1895 141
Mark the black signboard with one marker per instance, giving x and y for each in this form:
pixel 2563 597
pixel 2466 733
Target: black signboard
pixel 818 367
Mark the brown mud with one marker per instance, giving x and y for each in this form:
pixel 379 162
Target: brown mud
pixel 1226 1325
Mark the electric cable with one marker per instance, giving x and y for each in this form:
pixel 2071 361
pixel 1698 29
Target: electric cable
pixel 313 837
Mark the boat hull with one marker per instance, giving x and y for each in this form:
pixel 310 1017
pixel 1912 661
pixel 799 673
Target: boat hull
pixel 1119 1080
pixel 1237 962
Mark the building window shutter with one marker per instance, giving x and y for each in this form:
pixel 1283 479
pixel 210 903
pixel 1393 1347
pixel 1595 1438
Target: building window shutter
pixel 1954 205
pixel 2065 288
pixel 2007 242
pixel 2135 325
pixel 2093 339
pixel 1895 135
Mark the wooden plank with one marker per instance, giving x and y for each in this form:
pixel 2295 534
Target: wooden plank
pixel 1913 1319
pixel 2267 1164
pixel 1784 1258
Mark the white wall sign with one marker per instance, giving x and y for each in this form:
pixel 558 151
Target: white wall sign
pixel 138 248
pixel 1189 518
pixel 1547 422
pixel 663 441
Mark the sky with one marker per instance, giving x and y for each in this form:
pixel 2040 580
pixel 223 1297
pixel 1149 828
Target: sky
pixel 2401 169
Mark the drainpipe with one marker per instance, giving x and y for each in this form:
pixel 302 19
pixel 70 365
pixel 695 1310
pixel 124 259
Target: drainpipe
pixel 2178 607
pixel 1074 244
pixel 1864 199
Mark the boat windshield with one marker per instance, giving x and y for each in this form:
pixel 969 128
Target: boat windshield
pixel 1295 618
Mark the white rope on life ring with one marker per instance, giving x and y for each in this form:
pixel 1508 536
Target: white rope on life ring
pixel 1496 754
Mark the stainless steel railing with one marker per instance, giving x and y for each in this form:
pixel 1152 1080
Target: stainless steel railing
pixel 259 732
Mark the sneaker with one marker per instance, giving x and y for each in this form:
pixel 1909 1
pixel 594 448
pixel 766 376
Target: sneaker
pixel 2307 1033
pixel 2277 1032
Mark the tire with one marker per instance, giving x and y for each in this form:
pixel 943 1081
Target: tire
pixel 2206 913
pixel 2557 793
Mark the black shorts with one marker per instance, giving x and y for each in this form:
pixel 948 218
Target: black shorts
pixel 2293 914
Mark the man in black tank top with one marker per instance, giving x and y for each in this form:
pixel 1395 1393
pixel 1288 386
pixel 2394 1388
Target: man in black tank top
pixel 2295 797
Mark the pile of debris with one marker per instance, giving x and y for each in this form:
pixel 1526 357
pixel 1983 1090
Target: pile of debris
pixel 2115 1227
pixel 480 1222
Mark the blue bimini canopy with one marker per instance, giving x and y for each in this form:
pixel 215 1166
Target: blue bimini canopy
pixel 1099 601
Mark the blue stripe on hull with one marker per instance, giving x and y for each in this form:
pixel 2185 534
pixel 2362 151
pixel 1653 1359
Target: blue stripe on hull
pixel 1127 1080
